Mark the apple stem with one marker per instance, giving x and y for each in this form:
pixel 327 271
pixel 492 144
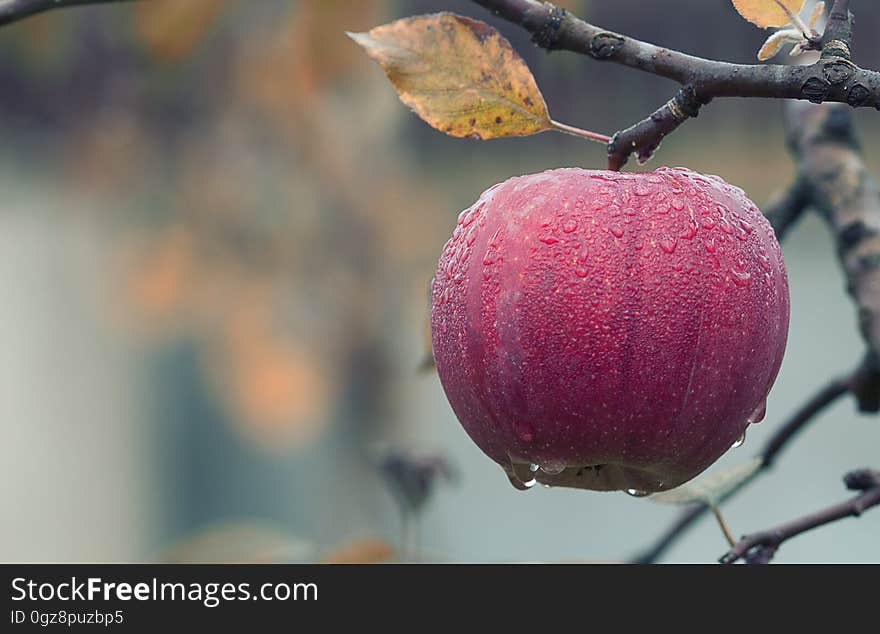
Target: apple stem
pixel 586 134
pixel 728 534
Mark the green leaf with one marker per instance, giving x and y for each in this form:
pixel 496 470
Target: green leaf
pixel 710 489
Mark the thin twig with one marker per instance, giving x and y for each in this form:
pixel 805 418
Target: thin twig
pixel 825 397
pixel 15 10
pixel 834 78
pixel 786 209
pixel 725 528
pixel 839 25
pixel 760 547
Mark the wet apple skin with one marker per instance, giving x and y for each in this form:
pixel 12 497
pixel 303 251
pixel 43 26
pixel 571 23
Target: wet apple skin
pixel 620 330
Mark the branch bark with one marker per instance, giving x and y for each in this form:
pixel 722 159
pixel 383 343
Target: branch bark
pixel 786 209
pixel 834 180
pixel 15 10
pixel 834 78
pixel 759 548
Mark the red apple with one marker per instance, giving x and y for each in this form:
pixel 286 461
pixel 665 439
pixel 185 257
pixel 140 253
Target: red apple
pixel 609 331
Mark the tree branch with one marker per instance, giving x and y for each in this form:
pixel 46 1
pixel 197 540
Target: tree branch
pixel 834 78
pixel 838 185
pixel 826 395
pixel 839 27
pixel 786 209
pixel 15 10
pixel 760 547
pixel 645 137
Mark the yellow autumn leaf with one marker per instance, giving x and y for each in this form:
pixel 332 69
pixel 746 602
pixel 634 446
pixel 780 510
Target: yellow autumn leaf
pixel 458 74
pixel 171 29
pixel 767 13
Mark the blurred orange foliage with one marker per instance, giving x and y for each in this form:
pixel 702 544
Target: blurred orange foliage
pixel 276 384
pixel 364 551
pixel 171 29
pixel 253 214
pixel 162 283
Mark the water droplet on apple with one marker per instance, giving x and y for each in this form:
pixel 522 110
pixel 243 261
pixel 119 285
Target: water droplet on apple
pixel 548 239
pixel 519 485
pixel 739 441
pixel 616 231
pixel 521 475
pixel 760 412
pixel 636 493
pixel 724 225
pixel 717 279
pixel 552 468
pixel 668 244
pixel 570 225
pixel 689 232
pixel 741 278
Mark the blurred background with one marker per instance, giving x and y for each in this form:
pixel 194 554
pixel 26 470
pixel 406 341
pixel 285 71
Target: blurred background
pixel 217 229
